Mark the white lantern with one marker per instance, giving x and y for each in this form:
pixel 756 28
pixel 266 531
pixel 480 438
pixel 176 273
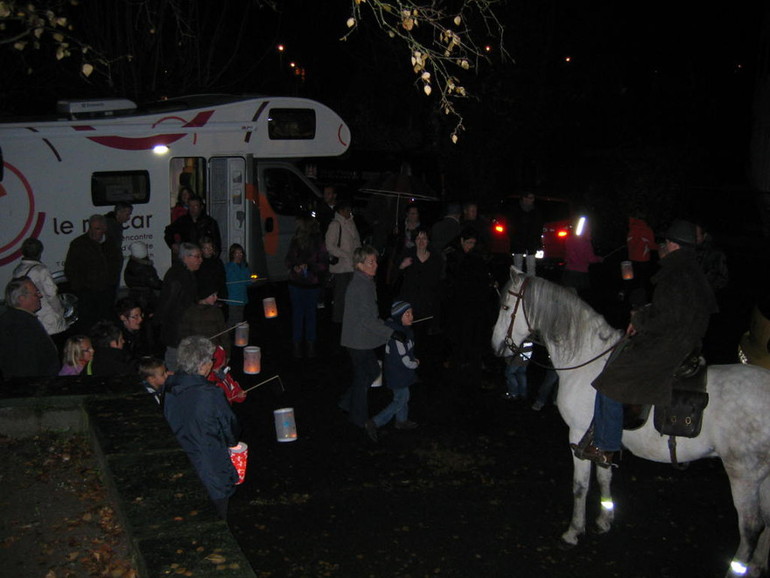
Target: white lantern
pixel 252 360
pixel 242 334
pixel 271 309
pixel 285 427
pixel 627 270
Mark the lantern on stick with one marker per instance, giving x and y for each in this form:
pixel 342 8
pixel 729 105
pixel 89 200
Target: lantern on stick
pixel 627 270
pixel 252 360
pixel 270 307
pixel 242 334
pixel 285 426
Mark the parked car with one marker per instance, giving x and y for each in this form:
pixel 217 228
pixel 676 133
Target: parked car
pixel 558 223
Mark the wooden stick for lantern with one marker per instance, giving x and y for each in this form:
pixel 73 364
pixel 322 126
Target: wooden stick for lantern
pixel 227 330
pixel 278 377
pixel 423 319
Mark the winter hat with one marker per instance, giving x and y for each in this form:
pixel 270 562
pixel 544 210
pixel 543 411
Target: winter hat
pixel 206 286
pixel 682 232
pixel 138 250
pixel 399 308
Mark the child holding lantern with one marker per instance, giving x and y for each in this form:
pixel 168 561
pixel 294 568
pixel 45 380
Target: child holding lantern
pixel 399 366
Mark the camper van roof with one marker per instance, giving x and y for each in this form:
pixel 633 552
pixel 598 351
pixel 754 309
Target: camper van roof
pixel 72 109
pixel 97 107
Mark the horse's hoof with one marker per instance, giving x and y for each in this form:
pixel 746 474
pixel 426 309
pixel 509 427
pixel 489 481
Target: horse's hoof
pixel 564 545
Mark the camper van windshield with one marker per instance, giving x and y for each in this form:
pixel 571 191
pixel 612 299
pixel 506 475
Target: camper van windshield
pixel 291 124
pixel 107 188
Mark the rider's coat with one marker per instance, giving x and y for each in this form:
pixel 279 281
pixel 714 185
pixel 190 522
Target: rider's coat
pixel 667 331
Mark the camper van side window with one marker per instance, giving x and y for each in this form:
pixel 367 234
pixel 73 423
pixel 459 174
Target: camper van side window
pixel 291 124
pixel 107 188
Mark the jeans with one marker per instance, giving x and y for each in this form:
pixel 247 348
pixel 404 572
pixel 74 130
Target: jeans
pixel 356 399
pixel 545 389
pixel 608 423
pixel 518 261
pixel 304 304
pixel 516 380
pixel 399 408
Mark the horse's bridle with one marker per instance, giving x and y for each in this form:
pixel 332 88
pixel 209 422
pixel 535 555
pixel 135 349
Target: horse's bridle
pixel 516 350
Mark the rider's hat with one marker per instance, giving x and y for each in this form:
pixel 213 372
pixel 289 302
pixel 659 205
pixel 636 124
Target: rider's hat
pixel 682 232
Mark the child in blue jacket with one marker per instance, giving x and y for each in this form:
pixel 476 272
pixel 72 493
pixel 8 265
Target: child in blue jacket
pixel 399 367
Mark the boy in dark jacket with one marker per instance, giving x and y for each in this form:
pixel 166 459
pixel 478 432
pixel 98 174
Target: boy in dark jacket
pixel 399 366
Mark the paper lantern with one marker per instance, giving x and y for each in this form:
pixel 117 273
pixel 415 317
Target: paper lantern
pixel 271 309
pixel 242 334
pixel 285 427
pixel 627 270
pixel 239 455
pixel 252 360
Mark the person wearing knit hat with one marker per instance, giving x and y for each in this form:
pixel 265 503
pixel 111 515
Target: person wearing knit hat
pixel 399 367
pixel 659 338
pixel 682 233
pixel 399 308
pixel 206 317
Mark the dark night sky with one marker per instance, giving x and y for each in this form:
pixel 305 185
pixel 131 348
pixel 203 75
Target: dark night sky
pixel 640 75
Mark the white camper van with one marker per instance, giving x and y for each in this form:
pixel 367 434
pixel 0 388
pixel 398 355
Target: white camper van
pixel 235 152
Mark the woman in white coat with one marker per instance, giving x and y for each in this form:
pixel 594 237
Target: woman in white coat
pixel 342 240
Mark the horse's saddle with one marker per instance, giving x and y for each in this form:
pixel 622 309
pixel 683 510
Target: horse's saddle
pixel 684 416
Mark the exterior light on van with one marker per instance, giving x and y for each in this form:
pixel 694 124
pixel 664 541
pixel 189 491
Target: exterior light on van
pixel 160 149
pixel 580 226
pixel 254 276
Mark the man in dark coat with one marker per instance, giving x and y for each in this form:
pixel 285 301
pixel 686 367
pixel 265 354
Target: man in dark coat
pixel 660 337
pixel 192 227
pixel 525 229
pixel 179 292
pixel 92 267
pixel 446 230
pixel 26 350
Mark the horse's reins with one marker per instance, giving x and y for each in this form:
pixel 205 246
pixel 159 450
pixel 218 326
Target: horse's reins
pixel 516 350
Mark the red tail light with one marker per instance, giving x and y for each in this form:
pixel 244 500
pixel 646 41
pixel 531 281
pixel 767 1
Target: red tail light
pixel 562 233
pixel 500 229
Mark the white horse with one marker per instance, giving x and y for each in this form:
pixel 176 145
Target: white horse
pixel 736 422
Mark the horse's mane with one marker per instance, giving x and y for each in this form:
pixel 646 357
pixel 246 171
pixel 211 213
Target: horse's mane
pixel 562 318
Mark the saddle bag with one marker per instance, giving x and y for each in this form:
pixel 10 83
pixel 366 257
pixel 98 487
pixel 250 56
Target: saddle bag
pixel 684 416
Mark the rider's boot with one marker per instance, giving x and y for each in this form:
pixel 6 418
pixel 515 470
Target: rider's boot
pixel 587 439
pixel 586 450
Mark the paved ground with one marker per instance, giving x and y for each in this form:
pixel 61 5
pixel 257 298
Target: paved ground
pixel 481 488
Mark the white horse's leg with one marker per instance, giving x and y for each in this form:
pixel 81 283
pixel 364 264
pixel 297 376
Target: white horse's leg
pixel 750 524
pixel 607 513
pixel 581 479
pixel 759 559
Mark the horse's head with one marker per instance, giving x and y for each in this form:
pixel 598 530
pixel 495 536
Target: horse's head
pixel 512 326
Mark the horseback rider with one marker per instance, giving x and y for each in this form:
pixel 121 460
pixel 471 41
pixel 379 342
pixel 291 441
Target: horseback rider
pixel 659 337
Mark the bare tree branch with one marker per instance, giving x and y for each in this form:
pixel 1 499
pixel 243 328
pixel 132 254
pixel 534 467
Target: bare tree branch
pixel 442 41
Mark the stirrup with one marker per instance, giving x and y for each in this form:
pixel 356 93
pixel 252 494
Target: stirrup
pixel 580 447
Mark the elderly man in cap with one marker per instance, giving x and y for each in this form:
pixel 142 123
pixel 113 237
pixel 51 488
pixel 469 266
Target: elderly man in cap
pixel 659 338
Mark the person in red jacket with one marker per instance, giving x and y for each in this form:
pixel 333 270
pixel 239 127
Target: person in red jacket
pixel 221 377
pixel 641 246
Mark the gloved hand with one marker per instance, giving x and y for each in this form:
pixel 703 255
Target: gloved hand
pixel 399 336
